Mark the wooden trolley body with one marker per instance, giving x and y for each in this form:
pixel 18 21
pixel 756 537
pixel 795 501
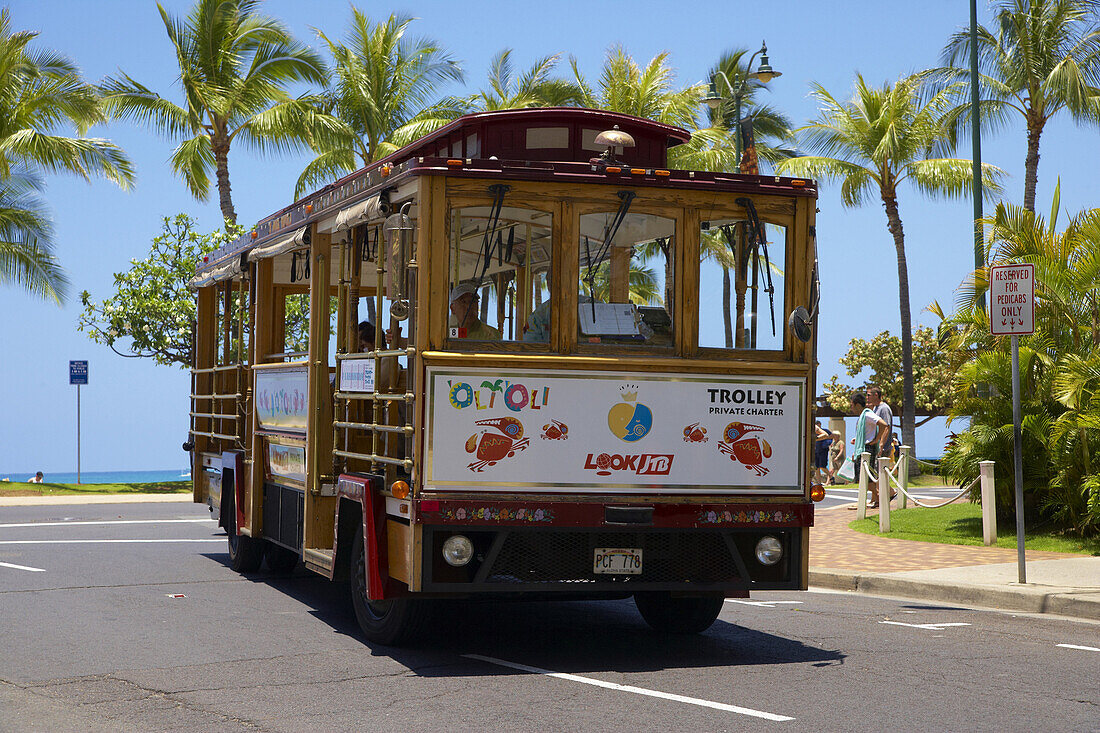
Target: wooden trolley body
pixel 353 463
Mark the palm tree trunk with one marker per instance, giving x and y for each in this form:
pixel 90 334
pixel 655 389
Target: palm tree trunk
pixel 908 400
pixel 225 198
pixel 727 288
pixel 1031 162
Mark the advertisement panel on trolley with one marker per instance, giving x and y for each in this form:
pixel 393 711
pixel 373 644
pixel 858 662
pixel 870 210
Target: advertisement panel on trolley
pixel 547 430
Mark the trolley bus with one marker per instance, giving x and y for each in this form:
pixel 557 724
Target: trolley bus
pixel 521 358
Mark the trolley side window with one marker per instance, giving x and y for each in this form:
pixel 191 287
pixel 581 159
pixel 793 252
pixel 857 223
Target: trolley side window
pixel 742 268
pixel 627 279
pixel 499 283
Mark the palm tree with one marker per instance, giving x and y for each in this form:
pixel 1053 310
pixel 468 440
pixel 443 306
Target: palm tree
pixel 1059 368
pixel 872 144
pixel 383 90
pixel 234 67
pixel 41 91
pixel 713 148
pixel 647 92
pixel 25 233
pixel 1043 58
pixel 534 88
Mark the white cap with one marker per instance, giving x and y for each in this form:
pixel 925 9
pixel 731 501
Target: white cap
pixel 463 288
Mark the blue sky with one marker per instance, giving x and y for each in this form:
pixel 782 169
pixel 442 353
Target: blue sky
pixel 134 414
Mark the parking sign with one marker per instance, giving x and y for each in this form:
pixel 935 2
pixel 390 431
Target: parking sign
pixel 1012 300
pixel 78 372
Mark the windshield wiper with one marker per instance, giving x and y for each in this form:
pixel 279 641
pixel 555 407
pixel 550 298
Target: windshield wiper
pixel 609 232
pixel 759 237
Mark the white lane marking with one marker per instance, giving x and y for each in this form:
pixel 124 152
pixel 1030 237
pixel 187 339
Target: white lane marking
pixel 1064 646
pixel 96 542
pixel 109 521
pixel 762 604
pixel 931 627
pixel 631 688
pixel 21 567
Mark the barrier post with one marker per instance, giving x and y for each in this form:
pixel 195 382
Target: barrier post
pixel 861 498
pixel 989 504
pixel 903 476
pixel 883 499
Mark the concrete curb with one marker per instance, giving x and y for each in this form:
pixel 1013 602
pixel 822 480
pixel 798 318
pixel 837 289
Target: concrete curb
pixel 91 499
pixel 1074 603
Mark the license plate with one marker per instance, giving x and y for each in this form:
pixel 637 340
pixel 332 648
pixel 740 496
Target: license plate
pixel 617 561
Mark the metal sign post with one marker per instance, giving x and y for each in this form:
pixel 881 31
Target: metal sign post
pixel 78 375
pixel 1012 312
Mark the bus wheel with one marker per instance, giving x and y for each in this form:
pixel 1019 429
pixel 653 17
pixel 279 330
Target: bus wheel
pixel 245 553
pixel 669 614
pixel 279 559
pixel 393 622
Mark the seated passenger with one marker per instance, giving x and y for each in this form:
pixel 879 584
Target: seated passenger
pixel 464 315
pixel 366 336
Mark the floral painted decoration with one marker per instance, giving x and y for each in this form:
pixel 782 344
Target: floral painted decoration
pixel 743 517
pixel 493 514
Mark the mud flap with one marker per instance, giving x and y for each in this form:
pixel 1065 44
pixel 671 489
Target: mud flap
pixel 367 491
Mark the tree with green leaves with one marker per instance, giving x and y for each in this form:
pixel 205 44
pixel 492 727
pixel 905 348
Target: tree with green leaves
pixel 234 68
pixel 879 139
pixel 713 148
pixel 1059 370
pixel 383 89
pixel 1041 58
pixel 647 92
pixel 533 88
pixel 880 358
pixel 152 310
pixel 40 92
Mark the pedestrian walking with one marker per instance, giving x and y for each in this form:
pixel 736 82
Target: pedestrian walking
pixel 871 431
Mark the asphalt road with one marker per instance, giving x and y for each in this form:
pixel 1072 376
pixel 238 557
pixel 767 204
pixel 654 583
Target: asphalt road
pixel 133 621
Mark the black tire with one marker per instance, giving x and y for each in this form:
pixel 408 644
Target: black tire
pixel 393 622
pixel 279 559
pixel 673 615
pixel 245 553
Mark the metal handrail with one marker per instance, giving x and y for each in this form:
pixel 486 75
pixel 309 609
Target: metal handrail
pixel 235 396
pixel 406 429
pixel 407 397
pixel 409 351
pixel 220 436
pixel 215 415
pixel 405 463
pixel 212 370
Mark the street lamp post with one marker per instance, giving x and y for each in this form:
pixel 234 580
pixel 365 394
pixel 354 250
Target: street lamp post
pixel 763 74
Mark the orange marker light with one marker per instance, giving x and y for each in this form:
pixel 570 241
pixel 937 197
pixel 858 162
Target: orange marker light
pixel 386 170
pixel 661 173
pixel 400 489
pixel 817 492
pixel 454 161
pixel 309 208
pixel 638 171
pixel 798 184
pixel 613 169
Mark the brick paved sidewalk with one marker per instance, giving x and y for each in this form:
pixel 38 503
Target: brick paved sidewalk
pixel 834 546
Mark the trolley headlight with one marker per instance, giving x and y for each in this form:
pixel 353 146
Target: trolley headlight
pixel 458 550
pixel 769 550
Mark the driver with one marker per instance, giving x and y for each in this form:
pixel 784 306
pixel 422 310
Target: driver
pixel 464 315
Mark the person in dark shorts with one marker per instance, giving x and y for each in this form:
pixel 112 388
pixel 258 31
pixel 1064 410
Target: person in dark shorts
pixel 822 440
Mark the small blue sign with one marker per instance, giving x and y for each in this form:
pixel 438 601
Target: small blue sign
pixel 78 372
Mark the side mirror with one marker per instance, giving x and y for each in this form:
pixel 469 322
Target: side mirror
pixel 799 323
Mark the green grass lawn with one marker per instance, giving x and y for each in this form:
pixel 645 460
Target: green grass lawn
pixel 18 488
pixel 961 524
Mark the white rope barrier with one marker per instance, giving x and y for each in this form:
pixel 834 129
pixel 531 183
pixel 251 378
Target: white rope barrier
pixel 954 498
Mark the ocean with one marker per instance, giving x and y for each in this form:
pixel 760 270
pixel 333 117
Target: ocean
pixel 103 477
